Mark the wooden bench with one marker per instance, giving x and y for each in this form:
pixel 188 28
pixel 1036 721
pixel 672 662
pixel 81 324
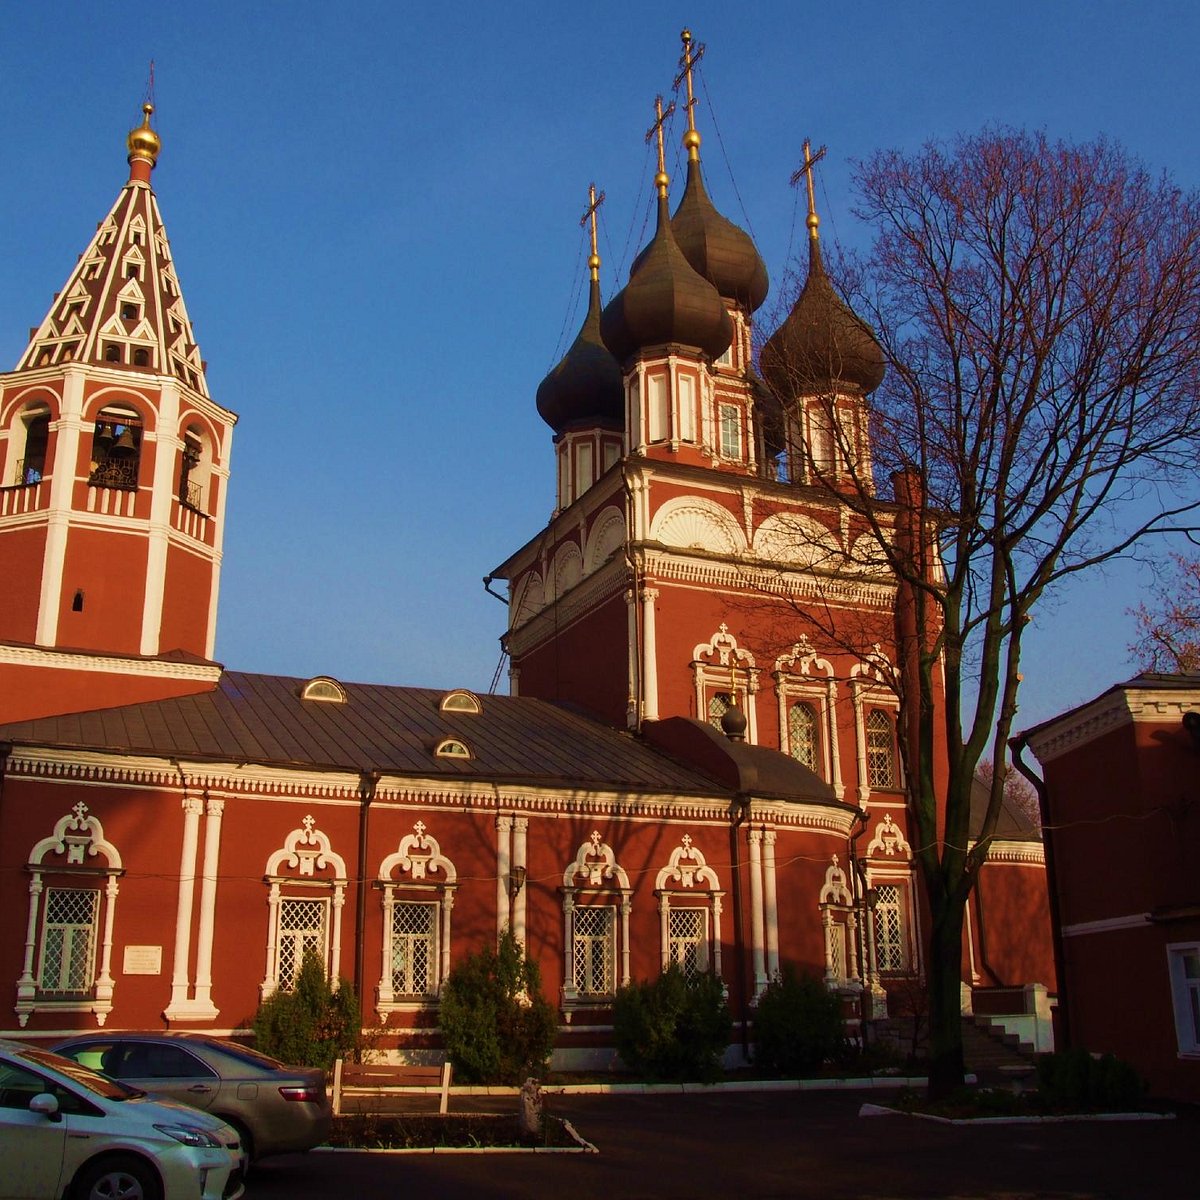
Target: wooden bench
pixel 378 1080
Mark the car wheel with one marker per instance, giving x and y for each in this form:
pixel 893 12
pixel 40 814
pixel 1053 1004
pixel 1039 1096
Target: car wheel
pixel 123 1178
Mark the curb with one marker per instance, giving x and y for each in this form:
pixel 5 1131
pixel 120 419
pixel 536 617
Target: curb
pixel 877 1110
pixel 868 1083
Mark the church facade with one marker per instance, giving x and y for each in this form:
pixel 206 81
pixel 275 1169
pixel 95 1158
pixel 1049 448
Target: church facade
pixel 699 762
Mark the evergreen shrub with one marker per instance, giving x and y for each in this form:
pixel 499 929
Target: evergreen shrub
pixel 312 1025
pixel 673 1027
pixel 496 1024
pixel 1075 1079
pixel 797 1024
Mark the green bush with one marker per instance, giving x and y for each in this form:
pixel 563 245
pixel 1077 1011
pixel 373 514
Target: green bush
pixel 496 1024
pixel 797 1024
pixel 1074 1079
pixel 673 1027
pixel 312 1025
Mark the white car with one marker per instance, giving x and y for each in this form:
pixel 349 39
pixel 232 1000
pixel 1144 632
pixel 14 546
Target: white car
pixel 66 1131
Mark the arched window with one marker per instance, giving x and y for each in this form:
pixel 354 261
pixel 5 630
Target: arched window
pixel 689 906
pixel 881 750
pixel 30 439
pixel 596 905
pixel 194 470
pixel 116 449
pixel 803 735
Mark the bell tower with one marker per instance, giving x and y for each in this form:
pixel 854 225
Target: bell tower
pixel 114 458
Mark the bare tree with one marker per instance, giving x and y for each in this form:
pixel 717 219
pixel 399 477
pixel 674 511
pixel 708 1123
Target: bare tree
pixel 1038 306
pixel 1168 626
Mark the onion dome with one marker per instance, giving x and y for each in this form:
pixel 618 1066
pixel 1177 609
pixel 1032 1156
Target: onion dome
pixel 665 301
pixel 143 142
pixel 715 246
pixel 823 342
pixel 586 385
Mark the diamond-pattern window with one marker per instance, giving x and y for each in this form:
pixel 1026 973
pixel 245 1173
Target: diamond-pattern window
pixel 594 950
pixel 414 949
pixel 802 734
pixel 718 704
pixel 69 941
pixel 688 944
pixel 881 750
pixel 891 945
pixel 301 928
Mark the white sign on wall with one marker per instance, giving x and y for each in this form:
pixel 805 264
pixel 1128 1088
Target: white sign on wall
pixel 143 960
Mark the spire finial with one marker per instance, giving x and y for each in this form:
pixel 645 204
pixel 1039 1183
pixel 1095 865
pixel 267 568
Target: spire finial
pixel 143 145
pixel 806 172
pixel 594 203
pixel 662 179
pixel 688 60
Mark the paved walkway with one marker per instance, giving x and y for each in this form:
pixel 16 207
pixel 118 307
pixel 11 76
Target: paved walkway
pixel 766 1145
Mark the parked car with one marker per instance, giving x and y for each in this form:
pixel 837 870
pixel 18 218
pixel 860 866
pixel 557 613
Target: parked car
pixel 275 1108
pixel 68 1131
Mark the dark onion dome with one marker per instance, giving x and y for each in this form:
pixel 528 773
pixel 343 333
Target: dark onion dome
pixel 822 342
pixel 717 249
pixel 586 385
pixel 665 301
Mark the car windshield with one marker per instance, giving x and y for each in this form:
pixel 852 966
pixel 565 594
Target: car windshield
pixel 84 1077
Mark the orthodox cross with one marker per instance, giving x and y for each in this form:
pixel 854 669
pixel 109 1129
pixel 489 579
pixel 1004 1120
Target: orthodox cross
pixel 690 57
pixel 806 172
pixel 593 207
pixel 660 117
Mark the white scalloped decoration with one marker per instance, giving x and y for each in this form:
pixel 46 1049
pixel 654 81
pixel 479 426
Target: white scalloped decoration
pixel 697 525
pixel 797 540
pixel 568 567
pixel 607 536
pixel 532 597
pixel 867 556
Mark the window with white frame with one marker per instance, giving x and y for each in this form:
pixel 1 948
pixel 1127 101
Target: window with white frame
pixel 596 908
pixel 593 950
pixel 687 944
pixel 68 945
pixel 73 887
pixel 891 935
pixel 1184 965
pixel 803 741
pixel 881 749
pixel 414 948
pixel 302 926
pixel 730 431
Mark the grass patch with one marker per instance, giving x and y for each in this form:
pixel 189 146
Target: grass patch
pixel 968 1104
pixel 424 1131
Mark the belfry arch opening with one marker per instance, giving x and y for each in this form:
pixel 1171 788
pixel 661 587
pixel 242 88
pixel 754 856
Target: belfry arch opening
pixel 116 449
pixel 29 442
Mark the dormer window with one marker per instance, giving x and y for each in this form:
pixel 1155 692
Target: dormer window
pixel 324 689
pixel 112 352
pixel 129 312
pixel 133 271
pixel 460 701
pixel 451 748
pixel 141 358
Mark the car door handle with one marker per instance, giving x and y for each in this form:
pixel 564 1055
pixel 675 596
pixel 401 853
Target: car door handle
pixel 200 1087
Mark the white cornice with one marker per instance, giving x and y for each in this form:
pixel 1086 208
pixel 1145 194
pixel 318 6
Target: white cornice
pixel 1121 706
pixel 36 656
pixel 1001 851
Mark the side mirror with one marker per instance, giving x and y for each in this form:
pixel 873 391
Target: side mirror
pixel 47 1105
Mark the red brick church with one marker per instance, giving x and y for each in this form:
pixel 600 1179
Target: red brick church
pixel 698 761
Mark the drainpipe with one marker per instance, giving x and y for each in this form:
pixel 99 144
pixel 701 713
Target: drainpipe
pixel 1017 746
pixel 368 782
pixel 741 804
pixel 859 875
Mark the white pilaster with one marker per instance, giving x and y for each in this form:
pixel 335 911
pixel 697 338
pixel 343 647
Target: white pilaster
pixel 757 949
pixel 649 656
pixel 772 911
pixel 192 808
pixel 504 826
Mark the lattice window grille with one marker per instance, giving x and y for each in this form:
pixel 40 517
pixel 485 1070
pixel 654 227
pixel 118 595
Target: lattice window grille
pixel 881 751
pixel 802 734
pixel 414 949
pixel 890 954
pixel 688 943
pixel 594 950
pixel 69 941
pixel 301 928
pixel 718 704
pixel 837 950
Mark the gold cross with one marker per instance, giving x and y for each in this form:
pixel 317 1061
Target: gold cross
pixel 657 128
pixel 594 203
pixel 806 172
pixel 687 61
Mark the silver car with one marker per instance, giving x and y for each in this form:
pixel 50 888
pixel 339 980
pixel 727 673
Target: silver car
pixel 67 1131
pixel 275 1108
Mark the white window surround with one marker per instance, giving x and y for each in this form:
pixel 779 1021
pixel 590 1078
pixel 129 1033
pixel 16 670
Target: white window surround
pixel 729 432
pixel 294 868
pixel 870 688
pixel 892 923
pixel 418 872
pixel 594 879
pixel 1183 969
pixel 840 925
pixel 719 665
pixel 676 887
pixel 802 675
pixel 77 839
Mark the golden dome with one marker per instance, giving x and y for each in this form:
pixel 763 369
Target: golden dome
pixel 143 142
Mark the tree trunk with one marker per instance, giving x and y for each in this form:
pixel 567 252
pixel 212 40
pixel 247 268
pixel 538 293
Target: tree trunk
pixel 945 998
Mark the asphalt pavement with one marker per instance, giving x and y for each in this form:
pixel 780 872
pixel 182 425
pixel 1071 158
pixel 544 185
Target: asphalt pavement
pixel 776 1144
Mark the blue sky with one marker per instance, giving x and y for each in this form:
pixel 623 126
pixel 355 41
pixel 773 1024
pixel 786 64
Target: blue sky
pixel 374 212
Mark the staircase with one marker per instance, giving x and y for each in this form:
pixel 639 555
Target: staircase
pixel 993 1055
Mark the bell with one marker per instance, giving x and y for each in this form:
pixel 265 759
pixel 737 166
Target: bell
pixel 124 446
pixel 104 435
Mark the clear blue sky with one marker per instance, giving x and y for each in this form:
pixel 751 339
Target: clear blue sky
pixel 374 212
